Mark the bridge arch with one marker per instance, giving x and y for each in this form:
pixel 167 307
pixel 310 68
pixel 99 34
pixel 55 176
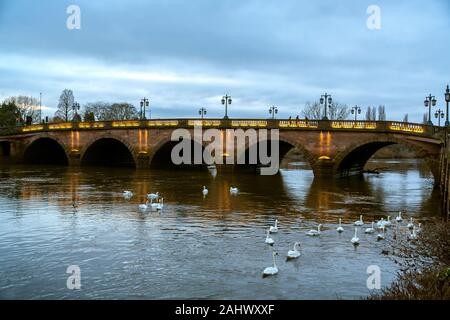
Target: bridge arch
pixel 352 159
pixel 161 155
pixel 286 144
pixel 45 149
pixel 108 150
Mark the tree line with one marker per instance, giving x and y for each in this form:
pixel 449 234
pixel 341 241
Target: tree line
pixel 25 110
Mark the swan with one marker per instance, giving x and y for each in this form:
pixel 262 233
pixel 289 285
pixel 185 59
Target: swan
pixel 419 228
pixel 270 271
pixel 411 223
pixel 234 190
pixel 144 207
pixel 269 240
pixel 204 191
pixel 359 222
pixel 274 229
pixel 314 232
pixel 340 229
pixel 388 223
pixel 381 236
pixel 293 254
pixel 160 205
pixel 370 230
pixel 413 235
pixel 399 217
pixel 380 223
pixel 153 196
pixel 127 194
pixel 355 239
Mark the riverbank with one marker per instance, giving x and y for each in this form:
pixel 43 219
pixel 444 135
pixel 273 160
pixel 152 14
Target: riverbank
pixel 425 266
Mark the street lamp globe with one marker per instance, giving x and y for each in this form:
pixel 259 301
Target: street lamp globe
pixel 426 103
pixel 447 94
pixel 321 100
pixel 433 102
pixel 223 100
pixel 329 100
pixel 229 100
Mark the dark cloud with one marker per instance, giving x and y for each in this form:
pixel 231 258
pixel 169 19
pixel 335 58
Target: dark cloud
pixel 188 53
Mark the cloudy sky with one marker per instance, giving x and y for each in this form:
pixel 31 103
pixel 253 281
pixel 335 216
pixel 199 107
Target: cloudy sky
pixel 187 54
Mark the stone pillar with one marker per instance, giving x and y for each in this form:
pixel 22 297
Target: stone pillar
pixel 324 168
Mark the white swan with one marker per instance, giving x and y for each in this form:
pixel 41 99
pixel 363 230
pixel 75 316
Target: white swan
pixel 127 194
pixel 355 239
pixel 269 240
pixel 340 229
pixel 370 230
pixel 388 223
pixel 411 223
pixel 153 196
pixel 204 191
pixel 360 221
pixel 413 235
pixel 419 228
pixel 380 223
pixel 274 229
pixel 160 205
pixel 382 236
pixel 270 271
pixel 293 254
pixel 144 207
pixel 399 217
pixel 313 232
pixel 234 190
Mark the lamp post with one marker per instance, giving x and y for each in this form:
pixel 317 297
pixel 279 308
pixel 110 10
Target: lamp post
pixel 439 114
pixel 40 107
pixel 356 110
pixel 226 100
pixel 202 112
pixel 429 102
pixel 273 110
pixel 144 103
pixel 76 108
pixel 325 99
pixel 447 100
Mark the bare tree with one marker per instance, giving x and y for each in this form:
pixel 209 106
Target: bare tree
pixel 369 113
pixel 105 111
pixel 335 111
pixel 405 118
pixel 27 107
pixel 381 113
pixel 65 105
pixel 122 111
pixel 312 111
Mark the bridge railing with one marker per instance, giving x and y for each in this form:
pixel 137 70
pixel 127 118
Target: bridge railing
pixel 287 124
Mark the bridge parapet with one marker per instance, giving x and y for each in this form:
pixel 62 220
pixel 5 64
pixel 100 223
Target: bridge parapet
pixel 282 124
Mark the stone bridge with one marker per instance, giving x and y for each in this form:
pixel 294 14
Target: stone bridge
pixel 332 148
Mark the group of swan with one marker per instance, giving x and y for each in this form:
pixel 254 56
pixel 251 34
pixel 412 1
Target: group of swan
pixel 382 224
pixel 292 254
pixel 233 191
pixel 149 202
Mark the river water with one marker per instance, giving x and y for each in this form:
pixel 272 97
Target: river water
pixel 213 247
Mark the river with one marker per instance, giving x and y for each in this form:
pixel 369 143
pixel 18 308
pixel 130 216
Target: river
pixel 198 248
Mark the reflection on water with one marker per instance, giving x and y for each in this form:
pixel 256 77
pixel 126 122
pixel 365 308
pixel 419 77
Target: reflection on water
pixel 198 247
